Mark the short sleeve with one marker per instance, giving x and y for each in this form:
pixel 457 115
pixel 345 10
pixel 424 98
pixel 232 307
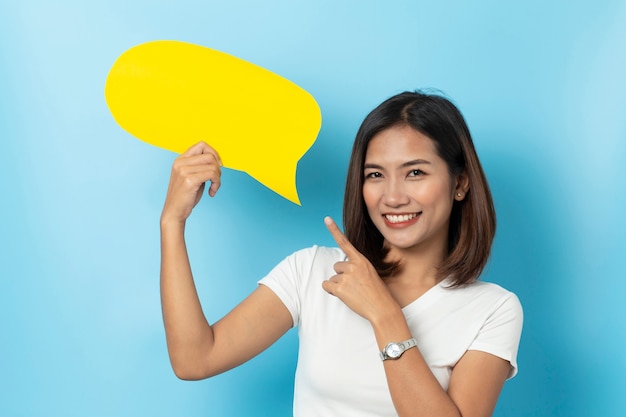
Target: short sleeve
pixel 286 280
pixel 501 332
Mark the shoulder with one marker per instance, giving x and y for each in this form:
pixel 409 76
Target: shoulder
pixel 296 279
pixel 487 297
pixel 501 306
pixel 501 322
pixel 482 289
pixel 497 292
pixel 318 255
pixel 307 262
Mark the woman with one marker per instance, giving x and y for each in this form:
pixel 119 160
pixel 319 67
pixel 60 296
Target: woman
pixel 393 321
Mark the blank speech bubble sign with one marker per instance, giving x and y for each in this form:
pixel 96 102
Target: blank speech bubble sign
pixel 173 94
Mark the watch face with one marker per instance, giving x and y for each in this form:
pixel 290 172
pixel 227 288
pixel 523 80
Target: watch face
pixel 393 350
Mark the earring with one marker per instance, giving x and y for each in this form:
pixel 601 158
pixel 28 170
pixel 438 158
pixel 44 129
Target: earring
pixel 459 195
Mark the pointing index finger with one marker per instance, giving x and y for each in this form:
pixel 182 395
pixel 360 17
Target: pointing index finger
pixel 340 238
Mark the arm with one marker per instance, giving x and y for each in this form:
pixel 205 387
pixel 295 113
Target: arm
pixel 198 350
pixel 476 380
pixel 475 383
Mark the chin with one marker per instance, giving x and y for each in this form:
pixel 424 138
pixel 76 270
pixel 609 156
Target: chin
pixel 401 245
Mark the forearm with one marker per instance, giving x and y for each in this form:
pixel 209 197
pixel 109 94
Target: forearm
pixel 414 389
pixel 189 335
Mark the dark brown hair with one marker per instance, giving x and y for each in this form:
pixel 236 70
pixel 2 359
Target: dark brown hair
pixel 472 221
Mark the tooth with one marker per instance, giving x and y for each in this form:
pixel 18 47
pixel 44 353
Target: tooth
pixel 394 218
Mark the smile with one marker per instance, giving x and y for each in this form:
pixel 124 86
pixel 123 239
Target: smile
pixel 400 218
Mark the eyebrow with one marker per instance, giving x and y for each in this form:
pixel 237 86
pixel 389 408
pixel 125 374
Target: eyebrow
pixel 404 165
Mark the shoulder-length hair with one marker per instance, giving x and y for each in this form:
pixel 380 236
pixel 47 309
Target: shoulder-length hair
pixel 472 221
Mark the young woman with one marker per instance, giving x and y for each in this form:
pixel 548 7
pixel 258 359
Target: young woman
pixel 392 322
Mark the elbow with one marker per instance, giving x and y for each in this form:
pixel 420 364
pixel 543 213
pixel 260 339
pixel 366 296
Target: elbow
pixel 189 373
pixel 192 363
pixel 189 370
pixel 184 374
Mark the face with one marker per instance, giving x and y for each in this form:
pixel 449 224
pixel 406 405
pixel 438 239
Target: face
pixel 408 191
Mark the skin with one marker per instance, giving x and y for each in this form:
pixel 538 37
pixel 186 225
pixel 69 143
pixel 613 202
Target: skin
pixel 199 350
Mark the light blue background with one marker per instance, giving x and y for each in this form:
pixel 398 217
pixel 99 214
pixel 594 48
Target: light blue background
pixel 541 83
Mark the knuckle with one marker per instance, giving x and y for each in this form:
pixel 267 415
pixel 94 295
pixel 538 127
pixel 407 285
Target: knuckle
pixel 209 158
pixel 177 164
pixel 189 181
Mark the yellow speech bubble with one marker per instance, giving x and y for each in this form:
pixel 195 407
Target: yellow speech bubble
pixel 173 94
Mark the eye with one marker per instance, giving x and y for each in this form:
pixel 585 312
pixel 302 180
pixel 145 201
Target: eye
pixel 373 175
pixel 416 173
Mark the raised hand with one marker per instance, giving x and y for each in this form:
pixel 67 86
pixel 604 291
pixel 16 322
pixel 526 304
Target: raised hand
pixel 357 283
pixel 190 171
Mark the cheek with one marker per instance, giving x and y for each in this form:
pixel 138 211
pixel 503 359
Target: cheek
pixel 434 193
pixel 369 196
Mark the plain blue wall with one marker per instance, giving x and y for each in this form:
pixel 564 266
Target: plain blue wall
pixel 541 84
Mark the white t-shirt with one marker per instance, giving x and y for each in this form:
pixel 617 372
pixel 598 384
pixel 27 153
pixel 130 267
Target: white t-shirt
pixel 340 372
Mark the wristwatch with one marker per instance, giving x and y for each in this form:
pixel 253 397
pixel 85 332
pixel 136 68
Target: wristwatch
pixel 395 349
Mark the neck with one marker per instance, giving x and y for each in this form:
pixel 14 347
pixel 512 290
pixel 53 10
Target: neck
pixel 419 265
pixel 418 275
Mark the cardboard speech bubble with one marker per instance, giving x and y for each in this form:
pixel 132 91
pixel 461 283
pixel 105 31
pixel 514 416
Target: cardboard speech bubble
pixel 173 94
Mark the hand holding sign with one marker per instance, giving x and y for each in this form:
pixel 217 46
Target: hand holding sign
pixel 173 94
pixel 190 172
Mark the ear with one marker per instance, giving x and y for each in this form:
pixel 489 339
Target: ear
pixel 462 187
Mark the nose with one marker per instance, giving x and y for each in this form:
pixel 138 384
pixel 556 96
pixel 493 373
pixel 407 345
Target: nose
pixel 395 194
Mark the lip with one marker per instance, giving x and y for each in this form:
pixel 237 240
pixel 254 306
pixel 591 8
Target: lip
pixel 401 224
